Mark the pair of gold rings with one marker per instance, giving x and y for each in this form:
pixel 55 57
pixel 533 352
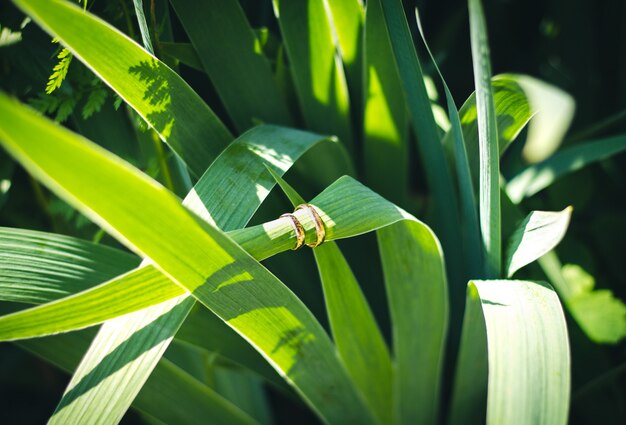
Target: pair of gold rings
pixel 320 231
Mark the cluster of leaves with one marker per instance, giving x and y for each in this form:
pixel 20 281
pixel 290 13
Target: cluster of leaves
pixel 210 256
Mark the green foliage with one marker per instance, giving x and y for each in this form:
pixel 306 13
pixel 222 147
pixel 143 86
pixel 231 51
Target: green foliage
pixel 204 311
pixel 59 72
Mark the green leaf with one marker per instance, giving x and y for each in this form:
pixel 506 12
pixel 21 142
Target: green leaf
pixel 145 287
pixel 527 351
pixel 539 233
pixel 184 53
pixel 347 20
pixel 156 92
pixel 512 110
pixel 354 329
pixel 385 121
pixel 169 394
pixel 40 267
pixel 230 203
pixel 431 150
pixel 553 111
pixel 143 26
pixel 469 211
pixel 225 342
pixel 537 177
pixel 198 257
pixel 600 315
pixel 416 285
pixel 59 72
pixel 130 292
pixel 519 100
pixel 232 57
pixel 489 176
pixel 415 280
pixel 317 71
pixel 96 99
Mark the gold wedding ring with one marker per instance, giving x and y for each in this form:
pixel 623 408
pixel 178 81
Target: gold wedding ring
pixel 297 228
pixel 320 231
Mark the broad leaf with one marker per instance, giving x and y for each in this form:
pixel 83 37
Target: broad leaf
pixel 600 315
pixel 527 350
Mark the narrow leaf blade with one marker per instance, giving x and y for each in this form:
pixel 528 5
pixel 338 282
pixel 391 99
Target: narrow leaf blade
pixel 537 177
pixel 489 187
pixel 232 57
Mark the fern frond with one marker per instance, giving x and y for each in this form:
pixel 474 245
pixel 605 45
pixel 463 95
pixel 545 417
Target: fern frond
pixel 95 100
pixel 59 72
pixel 45 103
pixel 66 107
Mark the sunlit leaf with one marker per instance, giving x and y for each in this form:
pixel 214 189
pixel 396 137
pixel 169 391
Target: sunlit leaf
pixel 539 233
pixel 156 92
pixel 524 339
pixel 489 156
pixel 539 176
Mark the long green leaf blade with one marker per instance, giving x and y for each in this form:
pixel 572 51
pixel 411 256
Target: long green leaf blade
pixel 198 257
pixel 130 292
pixel 513 113
pixel 355 332
pixel 232 57
pixel 230 203
pixel 317 71
pixel 156 92
pixel 347 19
pixel 385 121
pixel 489 187
pixel 541 378
pixel 415 280
pixel 436 168
pixel 469 211
pixel 359 341
pixel 39 267
pixel 537 177
pixel 143 26
pixel 169 394
pixel 528 355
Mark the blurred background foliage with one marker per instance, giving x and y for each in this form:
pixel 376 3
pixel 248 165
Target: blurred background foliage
pixel 576 45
